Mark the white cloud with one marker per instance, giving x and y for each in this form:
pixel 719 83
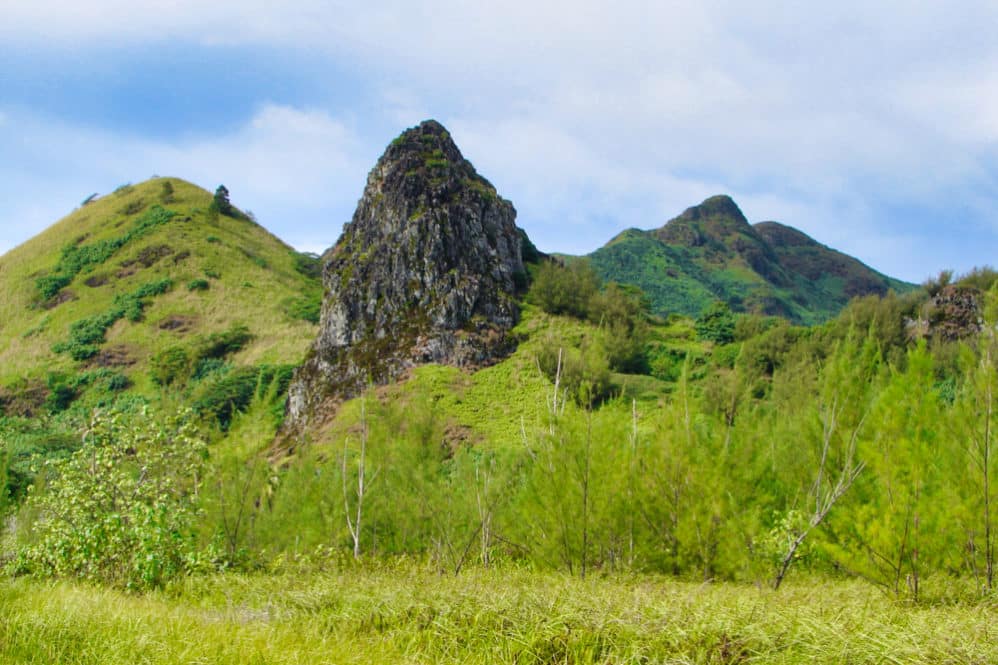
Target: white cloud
pixel 294 168
pixel 597 116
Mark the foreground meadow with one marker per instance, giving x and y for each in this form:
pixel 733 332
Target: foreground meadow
pixel 409 615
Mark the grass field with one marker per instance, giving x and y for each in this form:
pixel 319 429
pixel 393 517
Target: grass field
pixel 407 614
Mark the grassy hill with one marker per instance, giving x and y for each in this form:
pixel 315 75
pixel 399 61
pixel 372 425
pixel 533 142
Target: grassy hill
pixel 147 268
pixel 711 252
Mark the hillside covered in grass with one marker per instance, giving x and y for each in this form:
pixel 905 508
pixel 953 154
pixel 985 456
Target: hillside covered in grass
pixel 156 294
pixel 711 252
pixel 148 273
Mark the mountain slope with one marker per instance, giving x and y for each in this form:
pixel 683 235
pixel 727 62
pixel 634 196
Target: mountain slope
pixel 148 268
pixel 711 252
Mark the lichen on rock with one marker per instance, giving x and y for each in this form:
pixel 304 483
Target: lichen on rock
pixel 425 272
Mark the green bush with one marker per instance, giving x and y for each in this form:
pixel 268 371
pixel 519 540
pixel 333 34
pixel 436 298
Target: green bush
pixel 170 366
pixel 560 289
pixel 584 373
pixel 220 203
pixel 166 195
pixel 305 308
pixel 716 324
pixel 121 510
pixel 219 345
pixel 308 264
pixel 198 285
pixel 622 313
pixel 226 394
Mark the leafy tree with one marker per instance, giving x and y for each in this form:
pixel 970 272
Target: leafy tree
pixel 561 289
pixel 220 203
pixel 716 324
pixel 121 509
pixel 622 313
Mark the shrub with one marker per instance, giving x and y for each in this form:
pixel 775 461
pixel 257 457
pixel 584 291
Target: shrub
pixel 305 308
pixel 169 366
pixel 584 373
pixel 716 324
pixel 622 312
pixel 198 285
pixel 308 264
pixel 560 289
pixel 166 195
pixel 206 367
pixel 233 391
pixel 87 335
pixel 121 509
pixel 219 345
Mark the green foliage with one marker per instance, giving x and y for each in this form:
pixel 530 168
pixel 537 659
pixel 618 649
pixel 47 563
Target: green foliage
pixel 62 392
pixel 622 313
pixel 166 194
pixel 198 285
pixel 169 366
pixel 583 372
pixel 220 203
pixel 87 335
pixel 221 344
pixel 716 324
pixel 559 289
pixel 304 307
pixel 683 269
pixel 221 395
pixel 308 264
pixel 175 365
pixel 120 509
pixel 79 258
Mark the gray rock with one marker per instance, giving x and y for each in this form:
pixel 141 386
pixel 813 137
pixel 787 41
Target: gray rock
pixel 425 272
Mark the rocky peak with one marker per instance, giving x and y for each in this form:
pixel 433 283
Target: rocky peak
pixel 720 206
pixel 710 222
pixel 719 229
pixel 425 272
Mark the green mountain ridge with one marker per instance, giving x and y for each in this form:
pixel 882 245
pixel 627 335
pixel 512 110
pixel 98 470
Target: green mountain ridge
pixel 711 252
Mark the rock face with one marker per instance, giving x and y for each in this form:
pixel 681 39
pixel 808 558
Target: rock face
pixel 425 272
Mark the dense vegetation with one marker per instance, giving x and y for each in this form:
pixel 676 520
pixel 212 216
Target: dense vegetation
pixel 655 454
pixel 711 252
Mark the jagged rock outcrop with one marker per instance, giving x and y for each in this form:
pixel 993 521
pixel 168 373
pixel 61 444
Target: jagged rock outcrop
pixel 951 314
pixel 425 272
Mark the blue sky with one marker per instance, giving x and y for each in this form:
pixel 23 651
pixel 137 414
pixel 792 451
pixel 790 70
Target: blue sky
pixel 872 128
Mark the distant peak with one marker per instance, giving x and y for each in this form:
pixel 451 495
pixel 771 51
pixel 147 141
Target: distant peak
pixel 721 205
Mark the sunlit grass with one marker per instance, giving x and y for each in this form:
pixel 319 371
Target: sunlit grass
pixel 407 614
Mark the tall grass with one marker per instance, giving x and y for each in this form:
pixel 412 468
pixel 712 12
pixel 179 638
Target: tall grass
pixel 407 614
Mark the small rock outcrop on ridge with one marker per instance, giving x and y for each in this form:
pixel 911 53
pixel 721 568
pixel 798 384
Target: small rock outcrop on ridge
pixel 425 272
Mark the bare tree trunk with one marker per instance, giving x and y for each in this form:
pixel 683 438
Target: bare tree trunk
pixel 354 525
